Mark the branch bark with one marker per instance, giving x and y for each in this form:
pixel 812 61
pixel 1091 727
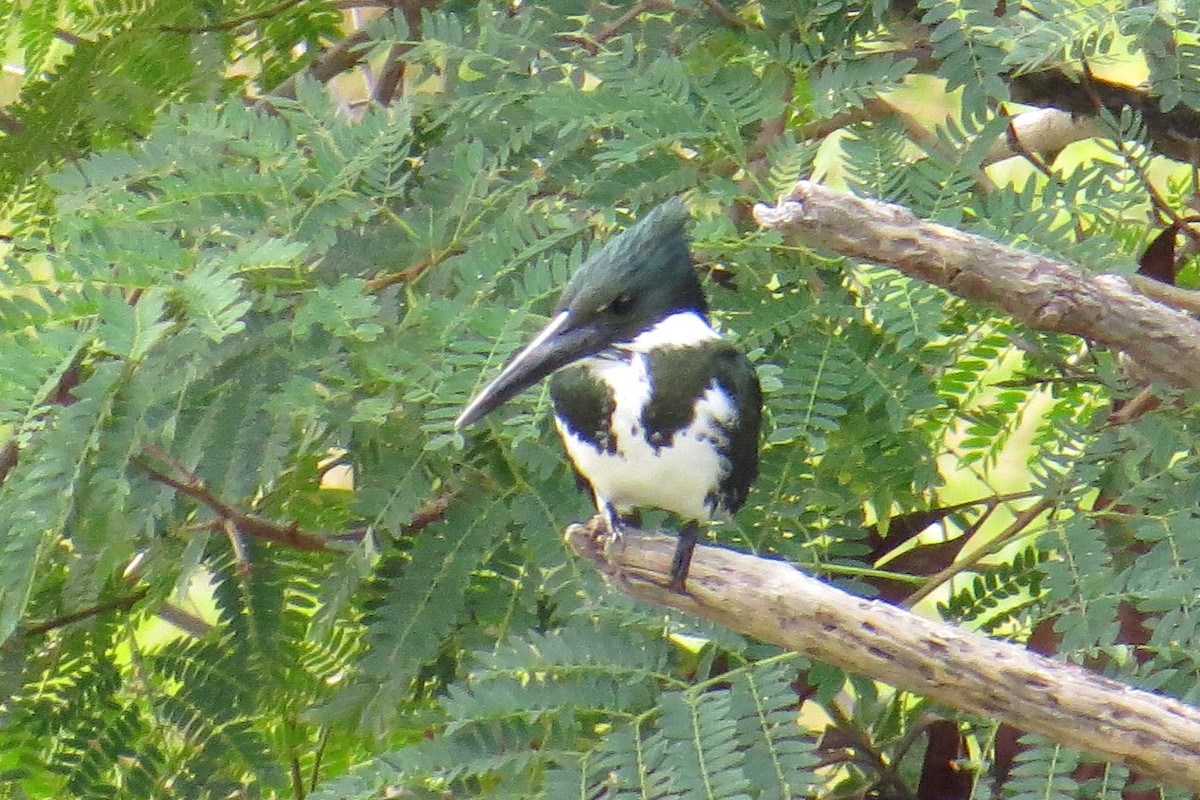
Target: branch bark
pixel 1043 131
pixel 1174 133
pixel 1039 291
pixel 773 602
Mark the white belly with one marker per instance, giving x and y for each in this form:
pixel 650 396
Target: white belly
pixel 680 477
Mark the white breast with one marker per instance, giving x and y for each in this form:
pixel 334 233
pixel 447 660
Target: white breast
pixel 681 476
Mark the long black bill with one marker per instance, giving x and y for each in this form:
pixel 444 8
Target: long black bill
pixel 557 345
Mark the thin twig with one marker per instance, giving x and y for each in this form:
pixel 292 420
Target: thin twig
pixel 1017 527
pixel 1142 403
pixel 873 109
pixel 592 44
pixel 191 486
pixel 1159 203
pixel 433 511
pixel 318 757
pixel 64 35
pixel 241 559
pixel 236 22
pixel 726 16
pixel 297 773
pixel 1017 146
pixel 406 275
pixel 866 753
pixel 122 603
pixel 613 28
pixel 251 525
pixel 9 455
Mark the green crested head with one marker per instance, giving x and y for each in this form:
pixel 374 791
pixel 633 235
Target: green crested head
pixel 640 277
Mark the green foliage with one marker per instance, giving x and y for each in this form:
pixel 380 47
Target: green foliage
pixel 999 593
pixel 1043 770
pixel 244 553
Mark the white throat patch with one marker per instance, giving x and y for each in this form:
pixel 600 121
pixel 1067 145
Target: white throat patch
pixel 678 330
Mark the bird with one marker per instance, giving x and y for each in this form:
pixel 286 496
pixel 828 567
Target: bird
pixel 655 409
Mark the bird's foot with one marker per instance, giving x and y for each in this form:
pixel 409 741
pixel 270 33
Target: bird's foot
pixel 615 523
pixel 681 561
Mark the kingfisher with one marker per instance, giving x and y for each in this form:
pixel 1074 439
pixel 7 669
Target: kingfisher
pixel 654 408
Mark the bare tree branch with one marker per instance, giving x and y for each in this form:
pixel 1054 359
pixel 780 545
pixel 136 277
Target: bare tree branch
pixel 1041 131
pixel 1037 290
pixel 773 602
pixel 1174 133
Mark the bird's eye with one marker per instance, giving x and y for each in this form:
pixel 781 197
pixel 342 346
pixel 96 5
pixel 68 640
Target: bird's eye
pixel 621 304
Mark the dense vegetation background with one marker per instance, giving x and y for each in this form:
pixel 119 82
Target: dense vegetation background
pixel 257 255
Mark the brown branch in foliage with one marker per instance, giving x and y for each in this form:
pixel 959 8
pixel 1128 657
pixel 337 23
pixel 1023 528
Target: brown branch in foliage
pixel 191 486
pixel 433 511
pixel 1174 133
pixel 874 109
pixel 1159 203
pixel 406 275
pixel 58 394
pixel 878 109
pixel 727 17
pixel 1139 405
pixel 921 136
pixel 241 559
pixel 848 736
pixel 236 22
pixel 391 77
pixel 613 28
pixel 1039 291
pixel 122 603
pixel 64 35
pixel 771 129
pixel 255 526
pixel 1038 132
pixel 941 775
pixel 592 43
pixel 186 621
pixel 9 456
pixel 1017 140
pixel 773 602
pixel 10 124
pixel 191 624
pixel 922 559
pixel 1174 296
pixel 343 56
